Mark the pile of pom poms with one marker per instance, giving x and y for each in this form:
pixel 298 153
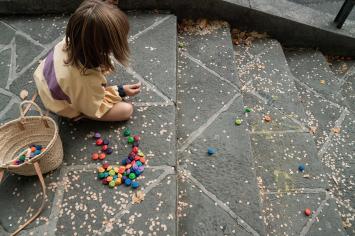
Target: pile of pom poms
pixel 105 149
pixel 29 153
pixel 131 167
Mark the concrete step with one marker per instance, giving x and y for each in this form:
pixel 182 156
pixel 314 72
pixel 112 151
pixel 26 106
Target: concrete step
pixel 280 146
pixel 329 106
pixel 208 102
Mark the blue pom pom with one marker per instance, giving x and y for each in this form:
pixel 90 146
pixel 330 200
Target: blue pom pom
pixel 211 151
pixel 138 163
pixel 135 184
pixel 127 182
pixel 301 168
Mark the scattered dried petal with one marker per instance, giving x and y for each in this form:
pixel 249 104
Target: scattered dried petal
pixel 23 94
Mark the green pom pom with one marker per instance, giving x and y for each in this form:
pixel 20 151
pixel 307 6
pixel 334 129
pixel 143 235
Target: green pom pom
pixel 238 121
pixel 111 184
pixel 101 175
pixel 130 139
pixel 127 132
pixel 132 176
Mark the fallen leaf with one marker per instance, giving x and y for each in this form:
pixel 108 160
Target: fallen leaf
pixel 202 23
pixel 322 81
pixel 346 224
pixel 335 130
pixel 23 94
pixel 267 118
pixel 312 129
pixel 138 197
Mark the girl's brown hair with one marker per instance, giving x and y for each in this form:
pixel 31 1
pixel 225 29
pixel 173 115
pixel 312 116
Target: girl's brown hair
pixel 96 30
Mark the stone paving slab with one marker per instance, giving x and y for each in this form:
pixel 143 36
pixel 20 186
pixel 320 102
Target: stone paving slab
pixel 321 114
pixel 233 155
pixel 44 29
pixel 147 94
pixel 268 74
pixel 7 34
pixel 348 93
pixel 6 100
pixel 327 223
pixel 156 215
pixel 154 56
pixel 338 161
pixel 199 215
pixel 5 61
pixel 24 196
pixel 277 157
pixel 25 51
pixel 255 119
pixel 154 124
pixel 284 213
pixel 214 50
pixel 25 82
pixel 208 104
pixel 200 95
pixel 311 67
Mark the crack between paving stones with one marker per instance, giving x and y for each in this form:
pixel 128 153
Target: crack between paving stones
pixel 121 213
pixel 5 47
pixel 152 104
pixel 317 94
pixel 257 95
pixel 12 69
pixel 345 78
pixel 200 63
pixel 278 131
pixel 149 85
pixel 337 124
pixel 155 24
pixel 9 94
pixel 297 191
pixel 195 134
pixel 348 74
pixel 310 222
pixel 38 57
pixel 242 223
pixel 58 199
pixel 29 38
pixel 7 108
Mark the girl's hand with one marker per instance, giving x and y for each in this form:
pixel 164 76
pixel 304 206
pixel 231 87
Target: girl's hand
pixel 132 89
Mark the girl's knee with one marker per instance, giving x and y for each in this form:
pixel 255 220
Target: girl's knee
pixel 127 110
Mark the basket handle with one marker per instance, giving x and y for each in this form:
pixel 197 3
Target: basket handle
pixel 43 185
pixel 23 113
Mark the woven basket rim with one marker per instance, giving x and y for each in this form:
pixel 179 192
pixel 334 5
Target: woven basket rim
pixel 50 144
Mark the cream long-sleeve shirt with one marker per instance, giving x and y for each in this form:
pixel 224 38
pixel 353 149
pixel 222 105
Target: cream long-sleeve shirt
pixel 65 90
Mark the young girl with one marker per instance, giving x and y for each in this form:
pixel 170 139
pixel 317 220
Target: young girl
pixel 71 80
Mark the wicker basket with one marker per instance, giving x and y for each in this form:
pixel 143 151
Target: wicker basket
pixel 24 131
pixel 17 135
